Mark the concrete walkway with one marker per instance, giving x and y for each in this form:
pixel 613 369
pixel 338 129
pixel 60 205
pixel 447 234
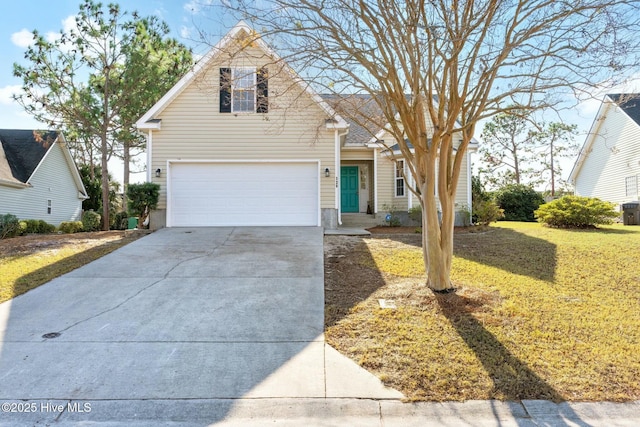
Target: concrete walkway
pixel 213 326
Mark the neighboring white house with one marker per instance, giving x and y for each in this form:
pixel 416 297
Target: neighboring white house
pixel 38 177
pixel 608 166
pixel 243 140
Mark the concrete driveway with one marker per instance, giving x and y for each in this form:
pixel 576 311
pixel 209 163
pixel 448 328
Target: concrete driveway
pixel 177 325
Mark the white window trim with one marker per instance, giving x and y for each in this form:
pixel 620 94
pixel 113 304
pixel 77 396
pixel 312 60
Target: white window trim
pixel 398 178
pixel 631 190
pixel 244 71
pixel 49 206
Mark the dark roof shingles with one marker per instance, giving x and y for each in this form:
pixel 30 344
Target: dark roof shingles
pixel 24 149
pixel 630 104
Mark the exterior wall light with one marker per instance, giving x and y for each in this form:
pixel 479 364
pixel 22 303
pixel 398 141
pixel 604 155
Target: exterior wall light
pixel 158 172
pixel 327 172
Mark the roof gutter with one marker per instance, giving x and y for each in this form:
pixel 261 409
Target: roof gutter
pixel 14 184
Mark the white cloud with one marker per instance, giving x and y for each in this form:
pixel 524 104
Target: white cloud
pixel 185 32
pixel 6 92
pixel 69 23
pixel 22 38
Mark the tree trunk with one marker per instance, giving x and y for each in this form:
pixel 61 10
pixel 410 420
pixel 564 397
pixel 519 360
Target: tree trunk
pixel 437 233
pixel 105 183
pixel 126 157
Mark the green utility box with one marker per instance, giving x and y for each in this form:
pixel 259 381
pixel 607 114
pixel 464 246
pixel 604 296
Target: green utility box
pixel 132 223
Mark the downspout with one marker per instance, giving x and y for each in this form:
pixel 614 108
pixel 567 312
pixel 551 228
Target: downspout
pixel 469 189
pixel 375 181
pixel 411 184
pixel 149 165
pixel 338 135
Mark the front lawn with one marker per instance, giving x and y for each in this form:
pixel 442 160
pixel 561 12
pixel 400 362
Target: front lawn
pixel 27 262
pixel 539 313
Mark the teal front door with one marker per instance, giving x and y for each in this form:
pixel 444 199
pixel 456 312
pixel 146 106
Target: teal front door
pixel 349 201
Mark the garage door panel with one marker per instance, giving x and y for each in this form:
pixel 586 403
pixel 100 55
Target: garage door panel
pixel 227 194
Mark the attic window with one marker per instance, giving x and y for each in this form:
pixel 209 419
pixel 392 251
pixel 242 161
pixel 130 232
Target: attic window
pixel 244 90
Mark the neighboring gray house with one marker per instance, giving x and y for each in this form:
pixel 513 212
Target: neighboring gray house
pixel 608 166
pixel 38 177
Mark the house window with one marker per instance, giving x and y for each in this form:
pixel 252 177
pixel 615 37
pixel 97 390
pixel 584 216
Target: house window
pixel 49 207
pixel 399 175
pixel 244 90
pixel 631 185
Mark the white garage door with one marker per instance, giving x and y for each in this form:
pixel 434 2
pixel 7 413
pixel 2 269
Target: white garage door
pixel 237 194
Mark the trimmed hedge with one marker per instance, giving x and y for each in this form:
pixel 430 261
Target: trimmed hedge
pixel 91 220
pixel 36 226
pixel 577 212
pixel 519 202
pixel 71 227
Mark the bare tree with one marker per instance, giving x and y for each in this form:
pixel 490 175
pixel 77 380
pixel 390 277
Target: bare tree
pixel 437 67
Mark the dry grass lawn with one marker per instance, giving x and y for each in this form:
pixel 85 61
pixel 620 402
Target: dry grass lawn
pixel 30 261
pixel 539 313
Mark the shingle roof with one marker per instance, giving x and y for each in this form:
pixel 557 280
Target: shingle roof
pixel 363 114
pixel 630 104
pixel 24 149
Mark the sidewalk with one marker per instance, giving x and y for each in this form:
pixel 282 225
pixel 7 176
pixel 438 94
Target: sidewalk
pixel 325 413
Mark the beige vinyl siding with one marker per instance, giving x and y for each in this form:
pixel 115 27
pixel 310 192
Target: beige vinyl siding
pixel 386 186
pixel 53 181
pixel 614 155
pixel 294 129
pixel 358 154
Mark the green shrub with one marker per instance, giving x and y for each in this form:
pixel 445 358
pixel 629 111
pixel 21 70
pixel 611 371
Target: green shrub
pixel 71 227
pixel 415 214
pixel 463 214
pixel 142 199
pixel 9 226
pixel 519 202
pixel 120 221
pixel 392 218
pixel 577 212
pixel 487 211
pixel 91 220
pixel 36 226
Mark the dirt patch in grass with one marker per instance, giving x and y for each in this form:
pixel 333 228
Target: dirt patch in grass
pixel 29 261
pixel 529 320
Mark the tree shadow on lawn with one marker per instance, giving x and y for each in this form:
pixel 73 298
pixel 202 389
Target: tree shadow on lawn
pixel 45 274
pixel 512 379
pixel 501 248
pixel 349 280
pixel 510 251
pixel 351 283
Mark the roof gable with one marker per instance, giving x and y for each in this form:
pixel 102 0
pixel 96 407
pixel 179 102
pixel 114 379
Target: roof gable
pixel 150 121
pixel 629 103
pixel 25 149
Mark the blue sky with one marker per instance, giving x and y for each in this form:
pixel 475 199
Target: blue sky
pixel 19 18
